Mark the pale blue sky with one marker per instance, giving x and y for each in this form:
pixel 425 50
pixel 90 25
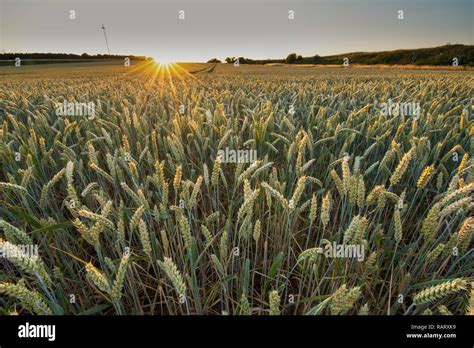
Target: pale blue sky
pixel 220 28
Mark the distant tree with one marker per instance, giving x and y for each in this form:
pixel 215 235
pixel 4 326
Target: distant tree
pixel 243 60
pixel 84 55
pixel 316 59
pixel 300 57
pixel 291 59
pixel 214 60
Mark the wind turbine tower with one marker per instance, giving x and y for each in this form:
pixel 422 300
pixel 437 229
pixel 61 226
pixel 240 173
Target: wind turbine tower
pixel 106 42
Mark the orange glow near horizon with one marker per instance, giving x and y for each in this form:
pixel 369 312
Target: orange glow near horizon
pixel 162 61
pixel 166 73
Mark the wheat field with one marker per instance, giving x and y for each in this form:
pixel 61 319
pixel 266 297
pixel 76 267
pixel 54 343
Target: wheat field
pixel 133 212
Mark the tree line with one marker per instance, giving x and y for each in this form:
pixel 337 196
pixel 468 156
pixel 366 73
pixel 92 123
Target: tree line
pixel 445 55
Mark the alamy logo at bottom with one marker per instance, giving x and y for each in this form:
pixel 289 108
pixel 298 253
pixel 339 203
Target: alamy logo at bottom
pixel 37 331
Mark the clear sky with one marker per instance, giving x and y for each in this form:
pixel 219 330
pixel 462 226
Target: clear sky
pixel 221 28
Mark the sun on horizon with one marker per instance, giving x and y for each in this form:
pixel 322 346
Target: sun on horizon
pixel 160 60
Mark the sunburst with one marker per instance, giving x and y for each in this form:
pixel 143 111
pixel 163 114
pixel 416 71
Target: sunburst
pixel 164 63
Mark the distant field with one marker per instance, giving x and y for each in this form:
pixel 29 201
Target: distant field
pixel 135 210
pixel 112 67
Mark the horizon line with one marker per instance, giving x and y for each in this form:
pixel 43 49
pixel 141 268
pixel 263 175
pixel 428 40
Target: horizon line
pixel 230 56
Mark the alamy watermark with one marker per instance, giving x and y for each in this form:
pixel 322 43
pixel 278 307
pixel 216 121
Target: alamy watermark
pixel 28 330
pixel 20 251
pixel 236 156
pixel 392 108
pixel 74 109
pixel 334 250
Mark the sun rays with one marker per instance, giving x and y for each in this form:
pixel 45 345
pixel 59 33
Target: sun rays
pixel 162 76
pixel 167 73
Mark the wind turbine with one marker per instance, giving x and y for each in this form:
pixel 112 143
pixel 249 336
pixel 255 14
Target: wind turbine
pixel 106 42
